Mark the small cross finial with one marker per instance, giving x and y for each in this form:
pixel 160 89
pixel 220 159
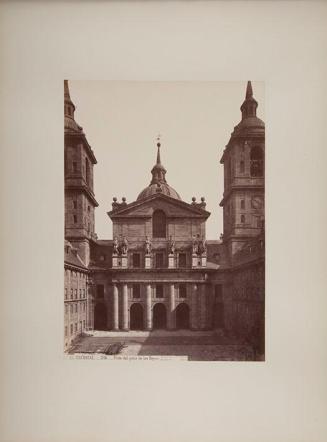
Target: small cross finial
pixel 158 140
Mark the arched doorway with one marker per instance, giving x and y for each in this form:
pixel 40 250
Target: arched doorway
pixel 136 316
pixel 159 316
pixel 100 317
pixel 183 316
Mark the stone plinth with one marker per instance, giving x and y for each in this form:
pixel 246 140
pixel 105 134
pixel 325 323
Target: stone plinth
pixel 194 260
pixel 171 261
pixel 115 261
pixel 124 261
pixel 148 263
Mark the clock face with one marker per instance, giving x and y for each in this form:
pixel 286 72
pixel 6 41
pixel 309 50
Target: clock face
pixel 257 202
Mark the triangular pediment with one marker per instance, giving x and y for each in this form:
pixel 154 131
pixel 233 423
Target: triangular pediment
pixel 172 207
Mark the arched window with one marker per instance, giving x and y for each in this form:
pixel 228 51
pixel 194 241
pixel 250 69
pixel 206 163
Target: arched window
pixel 159 224
pixel 256 160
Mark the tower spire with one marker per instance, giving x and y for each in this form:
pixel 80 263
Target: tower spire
pixel 158 171
pixel 249 91
pixel 249 106
pixel 69 105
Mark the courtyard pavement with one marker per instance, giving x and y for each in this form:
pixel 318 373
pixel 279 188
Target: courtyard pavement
pixel 192 345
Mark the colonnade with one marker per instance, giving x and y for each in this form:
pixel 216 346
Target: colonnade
pixel 196 300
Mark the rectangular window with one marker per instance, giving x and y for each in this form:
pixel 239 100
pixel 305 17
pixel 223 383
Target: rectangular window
pixel 136 260
pixel 84 325
pixel 80 293
pixel 159 291
pixel 136 291
pixel 71 308
pixel 182 291
pixel 100 291
pixel 75 219
pixel 182 260
pixel 242 219
pixel 71 329
pixel 80 325
pixel 242 204
pixel 159 260
pixel 76 308
pixel 66 293
pixel 74 166
pixel 75 204
pixel 75 293
pixel 84 306
pixel 83 293
pixel 75 327
pixel 71 293
pixel 242 167
pixel 66 331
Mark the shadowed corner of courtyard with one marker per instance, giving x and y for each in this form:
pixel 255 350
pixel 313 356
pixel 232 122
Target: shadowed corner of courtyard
pixel 211 345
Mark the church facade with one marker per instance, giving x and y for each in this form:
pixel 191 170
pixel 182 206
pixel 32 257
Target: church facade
pixel 160 271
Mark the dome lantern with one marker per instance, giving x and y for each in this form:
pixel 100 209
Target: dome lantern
pixel 158 183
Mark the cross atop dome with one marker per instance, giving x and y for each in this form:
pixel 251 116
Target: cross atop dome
pixel 158 151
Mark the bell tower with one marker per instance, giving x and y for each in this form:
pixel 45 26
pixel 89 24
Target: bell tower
pixel 80 201
pixel 243 160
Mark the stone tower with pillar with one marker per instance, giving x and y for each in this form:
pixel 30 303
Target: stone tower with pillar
pixel 243 160
pixel 80 201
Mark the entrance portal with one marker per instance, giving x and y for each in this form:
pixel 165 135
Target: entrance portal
pixel 159 316
pixel 183 316
pixel 136 317
pixel 100 317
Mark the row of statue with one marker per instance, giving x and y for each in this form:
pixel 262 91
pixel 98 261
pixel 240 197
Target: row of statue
pixel 120 248
pixel 199 246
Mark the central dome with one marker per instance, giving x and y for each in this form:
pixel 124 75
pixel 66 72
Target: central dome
pixel 158 183
pixel 163 188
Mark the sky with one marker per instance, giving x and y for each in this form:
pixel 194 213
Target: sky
pixel 122 119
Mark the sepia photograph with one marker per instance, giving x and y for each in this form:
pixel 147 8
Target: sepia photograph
pixel 163 273
pixel 164 250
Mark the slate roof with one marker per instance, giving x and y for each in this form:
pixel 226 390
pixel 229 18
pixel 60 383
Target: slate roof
pixel 72 257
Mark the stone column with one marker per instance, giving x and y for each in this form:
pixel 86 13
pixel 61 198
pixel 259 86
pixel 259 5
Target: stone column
pixel 194 307
pixel 148 308
pixel 125 308
pixel 202 305
pixel 171 308
pixel 115 309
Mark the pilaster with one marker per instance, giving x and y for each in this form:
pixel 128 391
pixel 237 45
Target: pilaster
pixel 125 325
pixel 171 308
pixel 148 307
pixel 115 308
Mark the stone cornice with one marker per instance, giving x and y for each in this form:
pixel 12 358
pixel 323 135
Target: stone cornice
pixel 196 211
pixel 74 267
pixel 239 187
pixel 85 189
